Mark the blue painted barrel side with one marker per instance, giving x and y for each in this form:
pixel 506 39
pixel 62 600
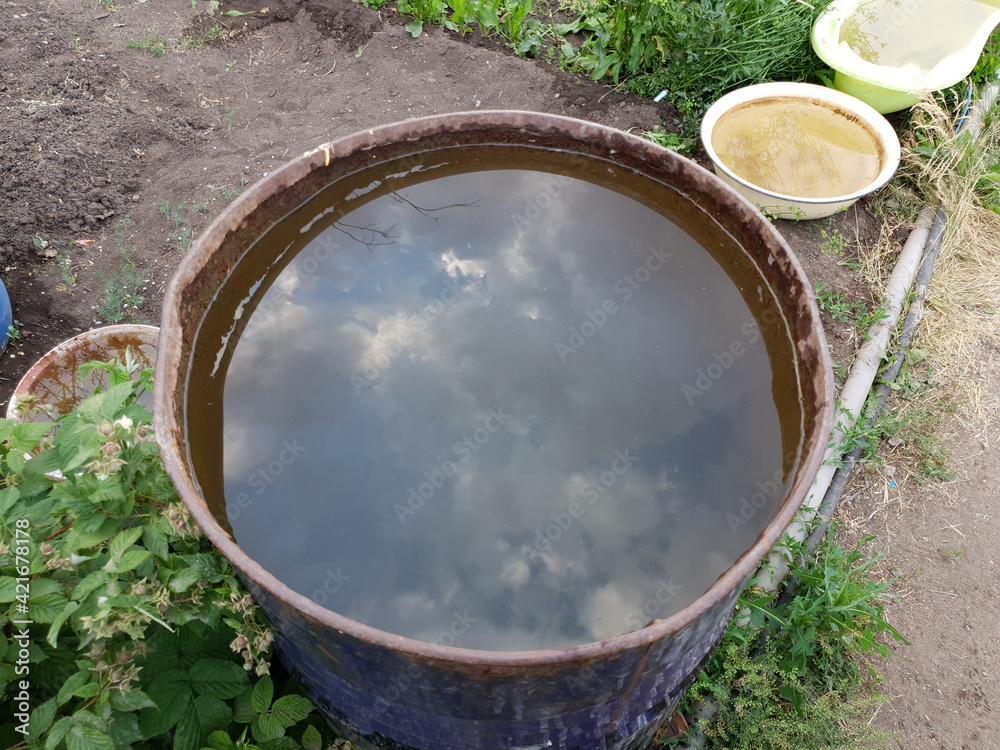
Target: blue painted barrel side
pixel 6 316
pixel 595 704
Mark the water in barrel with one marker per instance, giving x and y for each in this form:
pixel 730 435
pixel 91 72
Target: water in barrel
pixel 480 402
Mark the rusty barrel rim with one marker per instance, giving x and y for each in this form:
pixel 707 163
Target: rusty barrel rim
pixel 520 128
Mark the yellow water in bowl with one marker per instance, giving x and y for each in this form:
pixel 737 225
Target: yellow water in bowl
pixel 922 33
pixel 797 148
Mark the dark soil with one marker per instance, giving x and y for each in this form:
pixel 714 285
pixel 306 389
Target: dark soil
pixel 103 142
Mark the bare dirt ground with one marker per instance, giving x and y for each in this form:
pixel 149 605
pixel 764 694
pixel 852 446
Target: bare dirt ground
pixel 112 157
pixel 942 541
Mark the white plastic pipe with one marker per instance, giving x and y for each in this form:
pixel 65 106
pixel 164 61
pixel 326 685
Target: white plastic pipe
pixel 775 568
pixel 852 399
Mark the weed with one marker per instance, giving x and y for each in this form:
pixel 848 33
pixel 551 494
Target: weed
pixel 121 290
pixel 230 194
pixel 833 242
pixel 154 44
pixel 180 234
pixel 227 118
pixel 363 47
pixel 182 237
pixel 807 687
pixel 208 35
pixel 679 143
pixel 856 313
pixel 175 213
pixel 230 65
pixel 430 11
pixel 910 431
pixel 64 262
pixel 696 50
pixel 463 14
pixel 869 318
pixel 13 332
pixel 836 306
pixel 524 34
pixel 952 554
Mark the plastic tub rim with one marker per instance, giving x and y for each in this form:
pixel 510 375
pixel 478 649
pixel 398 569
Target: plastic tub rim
pixel 825 37
pixel 879 127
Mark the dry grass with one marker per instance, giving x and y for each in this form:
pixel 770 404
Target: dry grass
pixel 961 327
pixel 898 206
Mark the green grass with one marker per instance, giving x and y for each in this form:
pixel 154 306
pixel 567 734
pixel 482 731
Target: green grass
pixel 810 686
pixel 909 432
pixel 180 234
pixel 122 291
pixel 154 44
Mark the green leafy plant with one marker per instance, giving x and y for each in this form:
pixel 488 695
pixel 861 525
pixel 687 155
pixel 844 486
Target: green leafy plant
pixel 837 306
pixel 807 687
pixel 270 720
pixel 141 635
pixel 833 242
pixel 698 49
pixel 857 313
pixel 423 11
pixel 674 141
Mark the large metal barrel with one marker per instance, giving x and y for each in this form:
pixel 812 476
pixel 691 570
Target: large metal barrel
pixel 388 691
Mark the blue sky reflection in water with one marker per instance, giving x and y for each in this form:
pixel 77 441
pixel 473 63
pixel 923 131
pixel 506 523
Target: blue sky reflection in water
pixel 474 414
